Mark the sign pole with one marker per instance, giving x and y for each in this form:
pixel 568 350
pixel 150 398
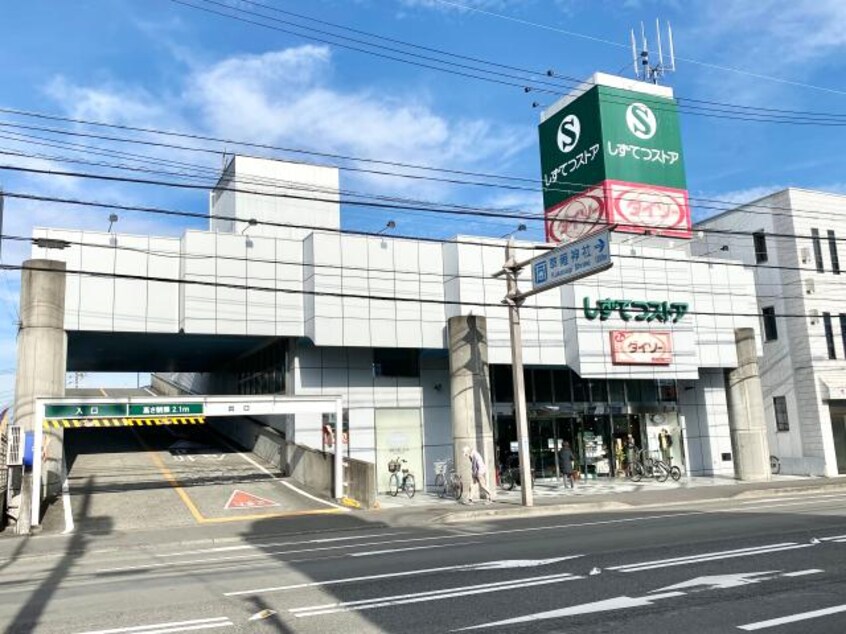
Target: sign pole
pixel 339 449
pixel 514 301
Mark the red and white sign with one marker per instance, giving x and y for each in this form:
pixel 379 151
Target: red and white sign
pixel 243 500
pixel 633 207
pixel 641 347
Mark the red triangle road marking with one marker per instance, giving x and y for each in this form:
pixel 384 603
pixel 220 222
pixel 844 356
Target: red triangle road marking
pixel 243 500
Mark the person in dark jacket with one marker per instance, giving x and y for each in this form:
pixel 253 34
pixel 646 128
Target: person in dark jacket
pixel 566 459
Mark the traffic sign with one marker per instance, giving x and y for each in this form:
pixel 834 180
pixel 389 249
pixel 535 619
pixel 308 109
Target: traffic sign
pixel 165 409
pixel 570 262
pixel 85 410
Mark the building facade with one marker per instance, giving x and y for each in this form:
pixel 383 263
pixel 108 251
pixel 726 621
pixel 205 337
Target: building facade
pixel 315 310
pixel 791 240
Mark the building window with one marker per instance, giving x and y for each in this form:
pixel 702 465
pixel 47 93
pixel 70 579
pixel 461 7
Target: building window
pixel 760 246
pixel 843 329
pixel 815 237
pixel 770 327
pixel 780 407
pixel 832 249
pixel 396 362
pixel 829 336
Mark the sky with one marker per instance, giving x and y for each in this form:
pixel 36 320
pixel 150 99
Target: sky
pixel 163 65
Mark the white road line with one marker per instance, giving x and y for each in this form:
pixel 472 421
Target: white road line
pixel 66 504
pixel 700 555
pixel 282 482
pixel 438 595
pixel 793 618
pixel 832 538
pixel 218 621
pixel 207 560
pixel 715 558
pixel 775 506
pixel 802 573
pixel 259 546
pixel 388 575
pixel 786 499
pixel 370 553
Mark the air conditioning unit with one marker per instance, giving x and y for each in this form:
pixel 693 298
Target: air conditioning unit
pixel 805 254
pixel 814 314
pixel 810 287
pixel 14 446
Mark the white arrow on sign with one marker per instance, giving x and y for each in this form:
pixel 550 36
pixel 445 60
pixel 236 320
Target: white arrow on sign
pixel 718 582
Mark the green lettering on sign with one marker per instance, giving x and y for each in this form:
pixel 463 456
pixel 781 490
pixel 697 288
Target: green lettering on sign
pixel 166 409
pixel 85 410
pixel 638 311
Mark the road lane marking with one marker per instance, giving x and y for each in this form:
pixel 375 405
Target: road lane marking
pixel 390 551
pixel 793 618
pixel 605 605
pixel 170 626
pixel 490 565
pixel 786 499
pixel 697 559
pixel 697 556
pixel 432 595
pixel 803 573
pixel 257 547
pixel 190 562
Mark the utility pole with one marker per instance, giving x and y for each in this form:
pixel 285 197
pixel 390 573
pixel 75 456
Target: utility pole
pixel 514 300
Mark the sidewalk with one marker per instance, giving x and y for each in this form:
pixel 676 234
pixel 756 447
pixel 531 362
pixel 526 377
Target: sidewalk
pixel 595 496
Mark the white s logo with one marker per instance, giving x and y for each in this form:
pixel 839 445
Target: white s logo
pixel 568 133
pixel 641 121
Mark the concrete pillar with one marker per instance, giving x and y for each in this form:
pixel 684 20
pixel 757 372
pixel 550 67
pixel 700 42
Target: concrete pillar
pixel 42 360
pixel 470 394
pixel 747 424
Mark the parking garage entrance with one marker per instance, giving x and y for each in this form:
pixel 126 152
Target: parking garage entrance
pixel 134 461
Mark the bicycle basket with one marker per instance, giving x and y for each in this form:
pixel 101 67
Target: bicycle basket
pixel 393 466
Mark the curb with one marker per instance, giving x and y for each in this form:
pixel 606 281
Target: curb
pixel 616 505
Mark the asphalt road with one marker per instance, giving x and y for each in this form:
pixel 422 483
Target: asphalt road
pixel 772 564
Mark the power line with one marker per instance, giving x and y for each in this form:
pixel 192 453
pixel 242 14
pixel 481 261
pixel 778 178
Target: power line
pixel 625 46
pixel 386 298
pixel 730 205
pixel 475 212
pixel 770 115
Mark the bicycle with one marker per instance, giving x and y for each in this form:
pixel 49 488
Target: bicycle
pixel 395 485
pixel 775 465
pixel 510 476
pixel 449 483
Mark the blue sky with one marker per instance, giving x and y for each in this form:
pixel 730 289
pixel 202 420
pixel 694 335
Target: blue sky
pixel 158 64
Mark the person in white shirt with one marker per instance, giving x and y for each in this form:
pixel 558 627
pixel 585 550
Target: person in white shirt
pixel 480 475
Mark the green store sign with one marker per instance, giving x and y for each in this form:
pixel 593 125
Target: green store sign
pixel 610 134
pixel 629 310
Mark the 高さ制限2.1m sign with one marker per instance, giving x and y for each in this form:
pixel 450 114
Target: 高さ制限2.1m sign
pixel 572 261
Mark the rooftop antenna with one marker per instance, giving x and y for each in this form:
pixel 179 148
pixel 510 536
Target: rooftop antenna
pixel 644 69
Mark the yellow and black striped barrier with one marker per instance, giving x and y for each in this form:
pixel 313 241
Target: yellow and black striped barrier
pixel 71 423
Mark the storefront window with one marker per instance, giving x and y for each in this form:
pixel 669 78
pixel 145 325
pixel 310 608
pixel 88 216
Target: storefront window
pixel 617 391
pixel 580 390
pixel 598 391
pixel 543 385
pixel 561 384
pixel 503 383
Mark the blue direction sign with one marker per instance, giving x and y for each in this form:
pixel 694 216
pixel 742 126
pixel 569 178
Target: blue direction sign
pixel 572 261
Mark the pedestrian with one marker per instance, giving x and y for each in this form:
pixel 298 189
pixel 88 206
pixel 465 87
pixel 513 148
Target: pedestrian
pixel 631 455
pixel 479 471
pixel 565 461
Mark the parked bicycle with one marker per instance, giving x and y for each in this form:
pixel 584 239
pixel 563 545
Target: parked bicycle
pixel 510 477
pixel 448 482
pixel 775 465
pixel 649 467
pixel 397 483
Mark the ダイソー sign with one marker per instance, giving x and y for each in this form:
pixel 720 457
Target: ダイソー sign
pixel 614 156
pixel 641 347
pixel 572 261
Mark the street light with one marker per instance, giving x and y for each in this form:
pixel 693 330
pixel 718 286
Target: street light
pixel 390 225
pixel 520 227
pixel 113 218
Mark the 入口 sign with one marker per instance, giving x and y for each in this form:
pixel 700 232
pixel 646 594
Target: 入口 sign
pixel 641 347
